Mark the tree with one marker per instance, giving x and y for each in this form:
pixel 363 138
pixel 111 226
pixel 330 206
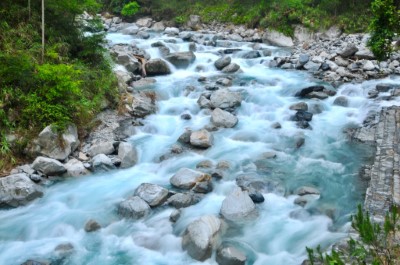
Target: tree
pixel 384 24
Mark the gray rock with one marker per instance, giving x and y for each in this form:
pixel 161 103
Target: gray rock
pixel 311 66
pixel 349 51
pixel 153 194
pixel 222 62
pixel 365 54
pixel 306 190
pixel 221 118
pixel 318 95
pixel 175 215
pixel 184 138
pixel 144 22
pixel 128 154
pixel 341 101
pixel 277 39
pixel 251 55
pixel 201 236
pixel 231 68
pixel 92 226
pixel 101 162
pixel 133 207
pixel 171 31
pixel 142 104
pixel 75 168
pixel 368 66
pixel 157 67
pixel 131 30
pixel 203 187
pixel 224 82
pixel 201 139
pixel 299 106
pixel 181 59
pixel 229 255
pixel 143 83
pixel 253 183
pixel 17 190
pixel 194 22
pixel 225 99
pixel 238 206
pixel 158 26
pixel 48 166
pixel 187 178
pixel 203 102
pixel 303 59
pixel 106 148
pixel 50 144
pixel 36 262
pixel 182 200
pixel 143 35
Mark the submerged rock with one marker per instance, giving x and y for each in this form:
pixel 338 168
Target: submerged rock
pixel 17 190
pixel 92 226
pixel 201 236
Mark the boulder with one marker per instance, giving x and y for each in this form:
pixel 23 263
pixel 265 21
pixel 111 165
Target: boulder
pixel 222 62
pixel 368 66
pixel 158 26
pixel 106 148
pixel 157 67
pixel 225 99
pixel 250 55
pixel 92 226
pixel 302 115
pixel 153 194
pixel 127 154
pixel 49 143
pixel 133 207
pixel 175 215
pixel 306 190
pixel 194 22
pixel 131 63
pixel 187 178
pixel 182 200
pixel 171 31
pixel 201 139
pixel 231 68
pixel 277 39
pixel 144 22
pixel 303 34
pixel 349 51
pixel 17 190
pixel 229 255
pixel 101 162
pixel 203 102
pixel 365 54
pixel 238 206
pixel 142 104
pixel 341 101
pixel 299 106
pixel 48 166
pixel 312 66
pixel 181 59
pixel 201 237
pixel 303 59
pixel 255 184
pixel 75 168
pixel 143 35
pixel 131 30
pixel 305 91
pixel 222 118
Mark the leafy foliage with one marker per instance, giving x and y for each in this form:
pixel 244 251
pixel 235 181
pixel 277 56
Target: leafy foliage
pixel 384 24
pixel 130 9
pixel 377 244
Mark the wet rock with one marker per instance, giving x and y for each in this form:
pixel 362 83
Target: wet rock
pixel 101 162
pixel 143 83
pixel 201 236
pixel 133 207
pixel 185 137
pixel 305 199
pixel 127 154
pixel 349 51
pixel 143 35
pixel 175 215
pixel 186 116
pixel 254 183
pixel 106 148
pixel 221 118
pixel 171 31
pixel 229 255
pixel 75 168
pixel 17 190
pixel 142 104
pixel 276 125
pixel 251 55
pixel 131 30
pixel 300 142
pixel 303 59
pixel 158 26
pixel 181 59
pixel 154 195
pixel 205 164
pixel 224 82
pixel 238 206
pixel 183 200
pixel 64 250
pixel 302 115
pixel 306 190
pixel 157 67
pixel 144 22
pixel 203 187
pixel 231 68
pixel 341 101
pixel 318 95
pixel 187 178
pixel 256 197
pixel 225 99
pixel 299 106
pixel 203 102
pixel 386 87
pixel 201 139
pixel 305 91
pixel 50 144
pixel 48 166
pixel 36 262
pixel 92 226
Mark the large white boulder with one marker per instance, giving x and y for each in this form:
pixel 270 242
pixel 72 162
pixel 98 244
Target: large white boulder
pixel 187 178
pixel 48 166
pixel 238 206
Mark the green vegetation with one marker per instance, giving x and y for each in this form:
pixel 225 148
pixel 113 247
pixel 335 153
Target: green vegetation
pixel 130 9
pixel 69 86
pixel 384 25
pixel 378 243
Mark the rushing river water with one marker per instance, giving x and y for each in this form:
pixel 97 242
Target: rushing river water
pixel 327 160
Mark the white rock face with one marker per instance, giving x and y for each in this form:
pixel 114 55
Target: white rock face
pixel 48 166
pixel 186 178
pixel 278 39
pixel 17 190
pixel 153 194
pixel 221 118
pixel 238 206
pixel 201 236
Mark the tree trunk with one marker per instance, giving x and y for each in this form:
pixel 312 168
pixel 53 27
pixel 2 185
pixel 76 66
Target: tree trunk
pixel 42 31
pixel 29 9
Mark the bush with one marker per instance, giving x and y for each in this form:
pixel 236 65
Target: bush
pixel 130 9
pixel 377 245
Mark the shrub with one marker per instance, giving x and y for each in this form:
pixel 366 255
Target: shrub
pixel 130 9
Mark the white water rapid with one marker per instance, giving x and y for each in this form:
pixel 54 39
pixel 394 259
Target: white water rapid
pixel 278 236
